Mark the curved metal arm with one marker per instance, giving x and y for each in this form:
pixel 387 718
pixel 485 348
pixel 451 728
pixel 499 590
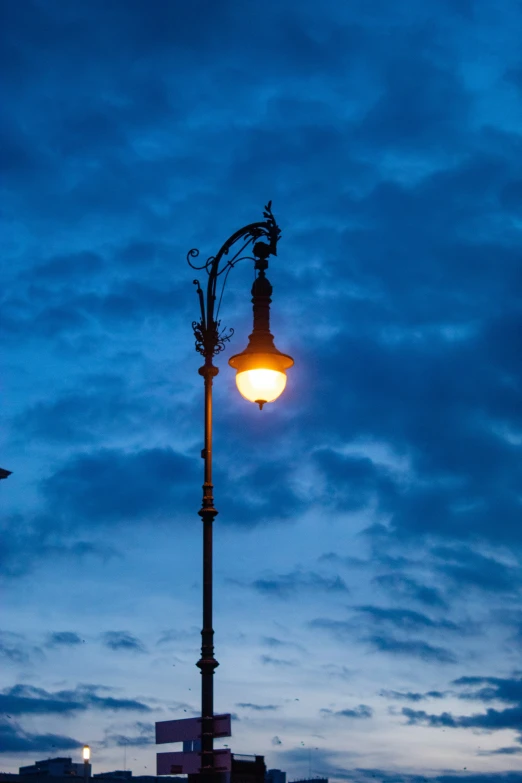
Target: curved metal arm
pixel 209 340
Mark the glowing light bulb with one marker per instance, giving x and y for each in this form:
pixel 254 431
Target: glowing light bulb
pixel 261 385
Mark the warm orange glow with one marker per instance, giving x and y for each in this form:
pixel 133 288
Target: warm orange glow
pixel 261 385
pixel 86 753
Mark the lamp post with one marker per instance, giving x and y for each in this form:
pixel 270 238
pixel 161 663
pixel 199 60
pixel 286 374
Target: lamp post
pixel 260 378
pixel 86 759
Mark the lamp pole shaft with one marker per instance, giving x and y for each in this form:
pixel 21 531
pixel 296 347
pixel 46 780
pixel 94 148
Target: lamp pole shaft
pixel 207 662
pixel 264 236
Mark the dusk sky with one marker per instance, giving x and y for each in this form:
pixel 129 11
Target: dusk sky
pixel 368 545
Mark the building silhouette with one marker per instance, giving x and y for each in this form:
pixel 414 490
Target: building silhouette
pixel 57 768
pixel 62 769
pixel 275 776
pixel 245 769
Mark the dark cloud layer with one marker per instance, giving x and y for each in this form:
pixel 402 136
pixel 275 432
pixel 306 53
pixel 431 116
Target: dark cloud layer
pixel 491 688
pixel 13 739
pixel 113 486
pixel 484 689
pixel 30 700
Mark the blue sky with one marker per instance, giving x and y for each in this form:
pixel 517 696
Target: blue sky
pixel 368 544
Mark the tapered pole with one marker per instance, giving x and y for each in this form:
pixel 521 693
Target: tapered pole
pixel 207 662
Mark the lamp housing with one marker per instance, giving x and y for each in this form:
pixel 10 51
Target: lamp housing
pixel 261 367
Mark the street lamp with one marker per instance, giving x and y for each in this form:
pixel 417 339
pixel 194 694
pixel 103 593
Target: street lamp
pixel 86 759
pixel 260 378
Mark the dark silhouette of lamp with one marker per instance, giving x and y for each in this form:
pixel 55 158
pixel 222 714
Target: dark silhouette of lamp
pixel 261 377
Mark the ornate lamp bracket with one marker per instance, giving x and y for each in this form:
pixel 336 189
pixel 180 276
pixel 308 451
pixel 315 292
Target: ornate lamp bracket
pixel 264 236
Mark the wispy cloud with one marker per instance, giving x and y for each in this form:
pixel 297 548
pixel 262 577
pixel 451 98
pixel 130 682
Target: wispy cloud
pixel 270 660
pixel 258 707
pixel 64 639
pixel 412 649
pixel 362 711
pixel 412 695
pixel 139 734
pixel 405 619
pixel 30 700
pixel 286 585
pixel 122 640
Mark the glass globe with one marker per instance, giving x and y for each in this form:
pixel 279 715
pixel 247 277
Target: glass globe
pixel 262 385
pixel 260 375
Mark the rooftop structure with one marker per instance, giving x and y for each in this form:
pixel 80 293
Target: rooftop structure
pixel 62 766
pixel 275 776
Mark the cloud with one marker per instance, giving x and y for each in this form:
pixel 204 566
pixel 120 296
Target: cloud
pixel 80 418
pixel 412 696
pixel 485 689
pixel 465 566
pixel 110 485
pixel 141 734
pixel 340 628
pixel 397 121
pixel 282 662
pixel 402 585
pixel 258 707
pixel 411 648
pixel 176 635
pixel 415 648
pixel 286 585
pixel 405 619
pixel 362 711
pixel 36 537
pixel 15 649
pixel 491 720
pixel 69 266
pixel 353 481
pixel 63 638
pixel 489 689
pixel 106 486
pixel 272 641
pixel 14 739
pixel 508 689
pixel 29 700
pixel 343 672
pixel 122 640
pixel 393 158
pixel 270 495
